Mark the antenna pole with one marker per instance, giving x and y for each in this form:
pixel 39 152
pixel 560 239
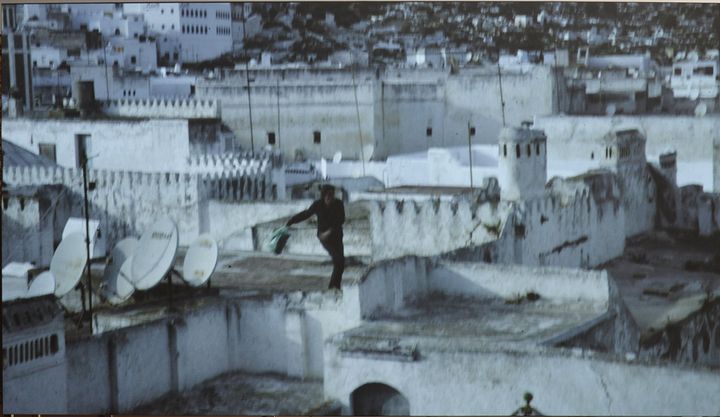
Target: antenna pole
pixel 247 78
pixel 502 100
pixel 277 90
pixel 470 155
pixel 170 291
pixel 87 226
pixel 357 111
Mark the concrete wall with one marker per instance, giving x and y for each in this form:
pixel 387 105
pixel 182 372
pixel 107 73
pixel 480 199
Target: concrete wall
pixel 295 110
pixel 572 137
pixel 286 334
pixel 126 203
pixel 694 339
pixel 23 240
pixel 120 370
pixel 143 145
pixel 557 285
pixel 494 382
pixel 163 108
pixel 395 108
pixel 230 223
pixel 401 228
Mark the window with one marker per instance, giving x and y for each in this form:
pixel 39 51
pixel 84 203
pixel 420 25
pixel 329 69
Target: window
pixel 171 27
pixel 162 27
pixel 428 132
pixel 528 150
pixel 48 151
pixel 54 346
pixel 677 71
pixel 175 56
pixel 610 152
pixel 172 11
pixel 316 137
pixel 504 149
pixel 517 150
pixel 472 131
pixel 133 60
pixel 271 138
pixel 703 71
pixel 537 149
pixel 117 31
pixel 182 28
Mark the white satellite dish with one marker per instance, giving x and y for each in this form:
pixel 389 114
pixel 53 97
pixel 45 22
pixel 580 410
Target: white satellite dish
pixel 77 225
pixel 701 110
pixel 112 279
pixel 123 287
pixel 337 157
pixel 68 263
pixel 200 260
pixel 694 94
pixel 43 284
pixel 154 254
pixel 610 110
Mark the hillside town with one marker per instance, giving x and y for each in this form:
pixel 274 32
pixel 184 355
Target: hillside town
pixel 361 208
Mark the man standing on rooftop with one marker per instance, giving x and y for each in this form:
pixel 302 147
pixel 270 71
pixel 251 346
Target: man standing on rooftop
pixel 330 214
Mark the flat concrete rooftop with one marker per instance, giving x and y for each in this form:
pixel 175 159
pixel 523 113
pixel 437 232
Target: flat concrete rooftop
pixel 449 323
pixel 241 393
pixel 666 276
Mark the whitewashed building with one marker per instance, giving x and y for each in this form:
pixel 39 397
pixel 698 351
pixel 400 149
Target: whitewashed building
pixel 203 30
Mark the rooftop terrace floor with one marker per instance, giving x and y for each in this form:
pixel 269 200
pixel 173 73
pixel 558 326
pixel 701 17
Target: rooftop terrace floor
pixel 449 323
pixel 241 393
pixel 665 276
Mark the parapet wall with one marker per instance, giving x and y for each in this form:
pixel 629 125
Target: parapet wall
pixel 163 108
pixel 425 228
pixel 126 203
pixel 241 162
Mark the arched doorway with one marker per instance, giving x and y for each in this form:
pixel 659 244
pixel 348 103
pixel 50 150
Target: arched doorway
pixel 376 399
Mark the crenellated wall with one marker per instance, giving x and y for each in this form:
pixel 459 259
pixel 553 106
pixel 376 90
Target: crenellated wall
pixel 423 228
pixel 163 108
pixel 126 203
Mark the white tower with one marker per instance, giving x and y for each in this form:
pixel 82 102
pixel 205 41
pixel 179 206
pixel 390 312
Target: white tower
pixel 522 163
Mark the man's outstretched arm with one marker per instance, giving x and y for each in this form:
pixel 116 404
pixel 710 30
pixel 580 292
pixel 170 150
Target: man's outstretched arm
pixel 302 216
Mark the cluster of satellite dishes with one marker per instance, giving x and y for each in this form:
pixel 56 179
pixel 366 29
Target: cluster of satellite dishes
pixel 132 265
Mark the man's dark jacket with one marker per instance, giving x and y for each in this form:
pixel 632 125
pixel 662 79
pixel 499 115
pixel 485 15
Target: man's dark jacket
pixel 328 217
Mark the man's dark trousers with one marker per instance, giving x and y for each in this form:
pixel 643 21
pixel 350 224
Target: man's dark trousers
pixel 334 246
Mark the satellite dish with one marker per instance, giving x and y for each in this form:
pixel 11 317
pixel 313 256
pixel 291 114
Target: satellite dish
pixel 68 263
pixel 123 287
pixel 610 110
pixel 154 254
pixel 694 94
pixel 77 225
pixel 114 284
pixel 43 284
pixel 701 110
pixel 200 260
pixel 337 157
